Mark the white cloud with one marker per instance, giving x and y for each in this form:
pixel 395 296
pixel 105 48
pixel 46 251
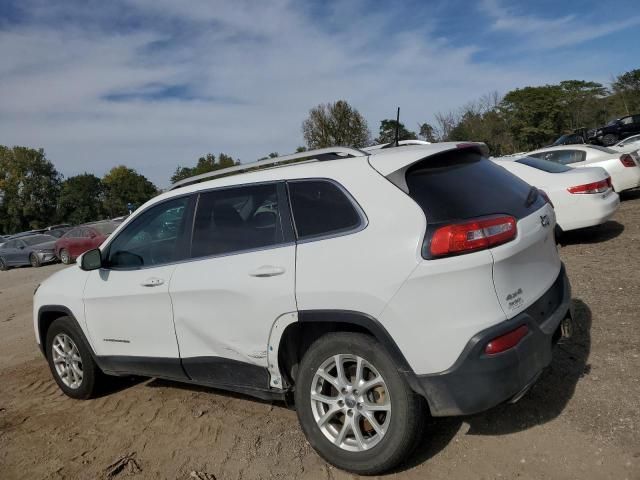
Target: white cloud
pixel 252 69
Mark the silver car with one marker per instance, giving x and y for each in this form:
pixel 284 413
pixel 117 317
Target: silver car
pixel 34 250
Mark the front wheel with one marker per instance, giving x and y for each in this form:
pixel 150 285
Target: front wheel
pixel 34 260
pixel 70 360
pixel 65 257
pixel 609 139
pixel 354 407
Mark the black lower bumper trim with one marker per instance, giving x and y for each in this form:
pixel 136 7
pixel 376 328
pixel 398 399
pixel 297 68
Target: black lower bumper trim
pixel 477 382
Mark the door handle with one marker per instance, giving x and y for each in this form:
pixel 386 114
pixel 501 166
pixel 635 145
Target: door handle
pixel 152 282
pixel 267 271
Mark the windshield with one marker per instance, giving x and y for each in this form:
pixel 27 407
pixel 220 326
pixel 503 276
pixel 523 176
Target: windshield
pixel 613 122
pixel 36 239
pixel 544 165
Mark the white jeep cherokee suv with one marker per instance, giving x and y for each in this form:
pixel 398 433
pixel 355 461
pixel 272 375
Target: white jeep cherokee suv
pixel 374 286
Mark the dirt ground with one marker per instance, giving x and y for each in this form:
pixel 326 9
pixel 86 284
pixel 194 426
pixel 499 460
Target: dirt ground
pixel 581 420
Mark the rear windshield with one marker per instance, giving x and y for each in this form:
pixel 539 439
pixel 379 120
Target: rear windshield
pixel 106 228
pixel 544 165
pixel 460 185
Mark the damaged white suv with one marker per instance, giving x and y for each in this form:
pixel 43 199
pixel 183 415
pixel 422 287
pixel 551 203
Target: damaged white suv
pixel 375 287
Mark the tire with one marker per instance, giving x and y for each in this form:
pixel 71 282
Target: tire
pixel 609 139
pixel 65 257
pixel 65 332
pixel 34 260
pixel 399 422
pixel 3 265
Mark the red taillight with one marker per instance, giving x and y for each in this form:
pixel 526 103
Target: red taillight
pixel 471 236
pixel 595 187
pixel 506 341
pixel 546 198
pixel 627 160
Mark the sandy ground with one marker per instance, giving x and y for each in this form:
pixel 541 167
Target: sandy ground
pixel 581 420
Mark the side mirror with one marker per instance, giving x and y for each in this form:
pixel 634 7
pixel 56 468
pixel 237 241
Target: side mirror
pixel 91 260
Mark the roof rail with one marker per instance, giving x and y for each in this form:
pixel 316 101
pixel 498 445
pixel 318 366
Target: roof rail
pixel 320 154
pixel 401 143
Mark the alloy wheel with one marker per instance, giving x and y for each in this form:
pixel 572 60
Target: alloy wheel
pixel 67 360
pixel 350 402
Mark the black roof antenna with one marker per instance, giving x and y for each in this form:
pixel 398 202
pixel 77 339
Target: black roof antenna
pixel 396 141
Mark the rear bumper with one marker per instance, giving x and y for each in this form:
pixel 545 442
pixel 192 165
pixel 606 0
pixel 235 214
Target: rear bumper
pixel 590 211
pixel 477 382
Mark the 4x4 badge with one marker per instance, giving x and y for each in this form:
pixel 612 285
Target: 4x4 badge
pixel 544 220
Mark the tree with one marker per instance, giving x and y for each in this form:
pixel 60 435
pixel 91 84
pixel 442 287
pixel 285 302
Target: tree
pixel 580 101
pixel 333 124
pixel 627 88
pixel 387 132
pixel 29 185
pixel 205 164
pixel 81 199
pixel 427 133
pixel 124 185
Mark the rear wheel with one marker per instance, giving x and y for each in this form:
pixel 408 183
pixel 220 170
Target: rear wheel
pixel 65 257
pixel 609 139
pixel 354 407
pixel 3 264
pixel 70 360
pixel 34 260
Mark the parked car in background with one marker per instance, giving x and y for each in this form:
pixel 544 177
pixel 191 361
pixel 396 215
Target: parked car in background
pixel 623 168
pixel 82 238
pixel 569 139
pixel 119 219
pixel 582 197
pixel 58 232
pixel 629 144
pixel 57 227
pixel 3 240
pixel 616 130
pixel 34 250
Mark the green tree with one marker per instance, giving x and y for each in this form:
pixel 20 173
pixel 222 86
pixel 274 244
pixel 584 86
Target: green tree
pixel 81 199
pixel 387 133
pixel 123 185
pixel 580 100
pixel 29 186
pixel 427 133
pixel 335 124
pixel 207 163
pixel 626 88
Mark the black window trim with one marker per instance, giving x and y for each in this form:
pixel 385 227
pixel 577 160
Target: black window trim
pixel 362 224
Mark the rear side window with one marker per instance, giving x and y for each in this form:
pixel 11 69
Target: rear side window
pixel 237 219
pixel 543 165
pixel 322 208
pixel 461 185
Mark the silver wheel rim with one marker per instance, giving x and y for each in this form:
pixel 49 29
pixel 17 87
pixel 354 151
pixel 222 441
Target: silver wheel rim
pixel 67 360
pixel 34 261
pixel 350 402
pixel 64 256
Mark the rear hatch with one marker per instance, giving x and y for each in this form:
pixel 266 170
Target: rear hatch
pixel 461 187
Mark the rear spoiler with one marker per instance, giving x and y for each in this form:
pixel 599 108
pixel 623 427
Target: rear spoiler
pixel 394 167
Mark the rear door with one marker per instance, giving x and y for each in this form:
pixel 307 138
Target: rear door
pixel 239 281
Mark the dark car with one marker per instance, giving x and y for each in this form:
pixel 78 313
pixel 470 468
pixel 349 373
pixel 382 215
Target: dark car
pixel 569 139
pixel 81 239
pixel 616 130
pixel 34 250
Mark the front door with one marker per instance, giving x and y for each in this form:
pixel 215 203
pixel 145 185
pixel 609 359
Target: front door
pixel 240 280
pixel 128 309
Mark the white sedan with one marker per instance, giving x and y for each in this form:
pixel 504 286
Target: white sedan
pixel 629 144
pixel 623 168
pixel 581 197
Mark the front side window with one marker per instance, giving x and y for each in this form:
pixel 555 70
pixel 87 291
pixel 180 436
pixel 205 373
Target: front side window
pixel 237 219
pixel 321 208
pixel 155 237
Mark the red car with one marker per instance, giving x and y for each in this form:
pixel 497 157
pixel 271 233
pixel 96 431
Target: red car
pixel 81 239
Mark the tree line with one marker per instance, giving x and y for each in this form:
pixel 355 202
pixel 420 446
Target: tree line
pixel 33 194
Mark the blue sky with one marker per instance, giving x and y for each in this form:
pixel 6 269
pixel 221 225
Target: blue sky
pixel 156 83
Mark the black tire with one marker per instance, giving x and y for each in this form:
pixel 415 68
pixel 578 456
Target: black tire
pixel 3 265
pixel 34 260
pixel 408 410
pixel 91 373
pixel 609 139
pixel 65 256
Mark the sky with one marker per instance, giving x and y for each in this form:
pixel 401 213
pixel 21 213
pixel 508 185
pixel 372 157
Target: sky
pixel 153 84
